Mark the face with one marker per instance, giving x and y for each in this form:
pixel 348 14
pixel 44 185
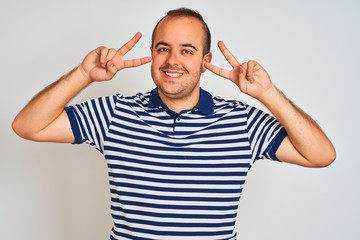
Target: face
pixel 177 57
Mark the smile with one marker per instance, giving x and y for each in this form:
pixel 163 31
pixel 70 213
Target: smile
pixel 174 75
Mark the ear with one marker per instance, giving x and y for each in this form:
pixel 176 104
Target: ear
pixel 206 58
pixel 151 50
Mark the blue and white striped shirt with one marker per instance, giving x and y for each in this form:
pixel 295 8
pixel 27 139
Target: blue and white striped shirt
pixel 175 176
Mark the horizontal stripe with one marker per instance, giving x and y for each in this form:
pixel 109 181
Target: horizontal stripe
pixel 194 198
pixel 181 204
pixel 174 189
pixel 200 206
pixel 230 183
pixel 175 178
pixel 178 173
pixel 128 233
pixel 176 224
pixel 173 233
pixel 175 214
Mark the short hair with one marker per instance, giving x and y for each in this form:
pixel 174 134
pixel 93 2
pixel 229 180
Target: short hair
pixel 186 12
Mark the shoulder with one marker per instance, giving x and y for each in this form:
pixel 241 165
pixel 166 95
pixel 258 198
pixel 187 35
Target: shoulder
pixel 138 102
pixel 138 98
pixel 223 104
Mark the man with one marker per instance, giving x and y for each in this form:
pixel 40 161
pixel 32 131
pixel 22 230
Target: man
pixel 177 157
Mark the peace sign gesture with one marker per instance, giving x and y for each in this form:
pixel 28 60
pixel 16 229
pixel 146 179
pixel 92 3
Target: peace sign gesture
pixel 103 63
pixel 250 77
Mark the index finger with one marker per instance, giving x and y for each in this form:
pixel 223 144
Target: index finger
pixel 218 71
pixel 227 54
pixel 136 62
pixel 130 44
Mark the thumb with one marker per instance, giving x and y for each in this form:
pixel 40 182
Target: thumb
pixel 111 70
pixel 242 78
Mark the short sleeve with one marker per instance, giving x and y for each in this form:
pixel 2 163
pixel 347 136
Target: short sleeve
pixel 265 134
pixel 90 120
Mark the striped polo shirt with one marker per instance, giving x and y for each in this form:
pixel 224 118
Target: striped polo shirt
pixel 175 176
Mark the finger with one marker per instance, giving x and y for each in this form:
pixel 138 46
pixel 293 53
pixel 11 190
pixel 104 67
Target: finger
pixel 130 44
pixel 218 71
pixel 106 55
pixel 242 77
pixel 250 71
pixel 112 52
pixel 103 51
pixel 136 62
pixel 244 70
pixel 228 55
pixel 111 69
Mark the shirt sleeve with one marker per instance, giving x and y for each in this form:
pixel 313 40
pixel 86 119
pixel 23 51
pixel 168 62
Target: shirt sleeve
pixel 90 120
pixel 265 134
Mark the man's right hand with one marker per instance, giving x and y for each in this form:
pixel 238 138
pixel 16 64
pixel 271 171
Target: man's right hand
pixel 44 118
pixel 103 63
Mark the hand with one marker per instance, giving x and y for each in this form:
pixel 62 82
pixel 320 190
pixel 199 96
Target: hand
pixel 250 77
pixel 102 63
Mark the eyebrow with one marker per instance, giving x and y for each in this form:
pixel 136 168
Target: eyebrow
pixel 183 45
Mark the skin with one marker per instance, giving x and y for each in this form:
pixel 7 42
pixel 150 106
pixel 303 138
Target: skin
pixel 44 119
pixel 177 64
pixel 178 61
pixel 306 144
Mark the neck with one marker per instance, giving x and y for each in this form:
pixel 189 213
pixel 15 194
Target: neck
pixel 180 104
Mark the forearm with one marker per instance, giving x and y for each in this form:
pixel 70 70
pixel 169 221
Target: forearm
pixel 304 133
pixel 49 104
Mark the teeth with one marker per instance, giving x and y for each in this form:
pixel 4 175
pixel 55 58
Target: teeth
pixel 173 74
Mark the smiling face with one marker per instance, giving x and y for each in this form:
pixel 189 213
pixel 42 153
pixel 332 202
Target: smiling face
pixel 177 59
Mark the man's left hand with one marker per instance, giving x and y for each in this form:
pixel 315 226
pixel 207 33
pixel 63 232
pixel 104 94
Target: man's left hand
pixel 250 77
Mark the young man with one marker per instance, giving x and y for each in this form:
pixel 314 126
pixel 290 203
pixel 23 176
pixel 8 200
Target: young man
pixel 177 157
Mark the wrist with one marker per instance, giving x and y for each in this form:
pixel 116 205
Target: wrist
pixel 82 75
pixel 76 79
pixel 268 96
pixel 272 98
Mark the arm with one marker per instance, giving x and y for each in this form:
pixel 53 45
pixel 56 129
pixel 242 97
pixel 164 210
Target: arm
pixel 306 144
pixel 44 118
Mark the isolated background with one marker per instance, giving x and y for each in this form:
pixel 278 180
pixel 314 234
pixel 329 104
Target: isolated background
pixel 310 48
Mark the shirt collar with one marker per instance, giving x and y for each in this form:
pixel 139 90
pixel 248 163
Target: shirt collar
pixel 205 104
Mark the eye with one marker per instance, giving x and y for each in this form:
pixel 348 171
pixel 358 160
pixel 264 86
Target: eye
pixel 185 51
pixel 160 50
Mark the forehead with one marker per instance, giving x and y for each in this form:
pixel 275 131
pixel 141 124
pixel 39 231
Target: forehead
pixel 180 30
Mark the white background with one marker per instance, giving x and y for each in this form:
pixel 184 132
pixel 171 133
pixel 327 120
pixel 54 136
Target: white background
pixel 310 48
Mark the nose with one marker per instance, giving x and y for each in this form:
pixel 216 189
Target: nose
pixel 173 58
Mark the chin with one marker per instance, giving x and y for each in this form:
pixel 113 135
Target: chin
pixel 171 93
